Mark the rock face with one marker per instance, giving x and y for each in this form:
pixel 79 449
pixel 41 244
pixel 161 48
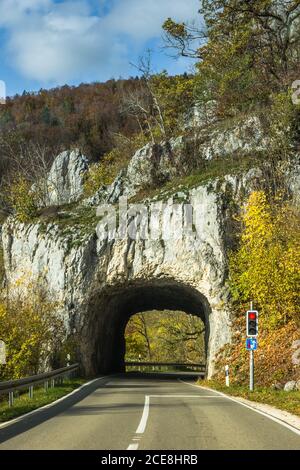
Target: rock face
pixel 65 179
pixel 243 138
pixel 101 275
pixel 101 282
pixel 157 164
pixel 150 166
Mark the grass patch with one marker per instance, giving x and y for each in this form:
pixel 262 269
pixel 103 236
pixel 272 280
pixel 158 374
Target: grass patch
pixel 287 401
pixel 23 404
pixel 80 216
pixel 209 171
pixel 76 222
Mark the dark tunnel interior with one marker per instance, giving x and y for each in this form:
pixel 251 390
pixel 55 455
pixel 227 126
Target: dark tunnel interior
pixel 118 304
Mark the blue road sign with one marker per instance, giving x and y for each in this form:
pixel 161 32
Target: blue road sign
pixel 251 344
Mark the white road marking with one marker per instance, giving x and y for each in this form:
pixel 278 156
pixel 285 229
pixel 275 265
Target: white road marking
pixel 143 423
pixel 263 413
pixel 142 426
pixel 133 447
pixel 183 396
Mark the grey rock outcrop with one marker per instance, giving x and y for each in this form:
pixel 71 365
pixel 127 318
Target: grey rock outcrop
pixel 154 165
pixel 290 386
pixel 66 177
pixel 242 138
pixel 150 166
pixel 201 115
pixel 277 386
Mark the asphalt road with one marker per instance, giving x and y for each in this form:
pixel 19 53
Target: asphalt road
pixel 146 412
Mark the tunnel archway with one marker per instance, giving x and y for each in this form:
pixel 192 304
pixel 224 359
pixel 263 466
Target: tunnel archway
pixel 111 312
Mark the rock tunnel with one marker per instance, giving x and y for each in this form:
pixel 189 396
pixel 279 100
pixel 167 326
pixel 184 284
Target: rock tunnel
pixel 104 345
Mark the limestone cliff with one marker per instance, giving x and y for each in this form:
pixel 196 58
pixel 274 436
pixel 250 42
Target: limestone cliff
pixel 100 282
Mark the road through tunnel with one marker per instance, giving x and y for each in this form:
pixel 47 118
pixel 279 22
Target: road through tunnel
pixel 111 312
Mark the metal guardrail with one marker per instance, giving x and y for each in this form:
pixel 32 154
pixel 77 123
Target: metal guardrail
pixel 11 386
pixel 201 367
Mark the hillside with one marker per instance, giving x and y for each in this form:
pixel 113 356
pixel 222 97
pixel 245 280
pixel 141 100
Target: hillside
pixel 225 138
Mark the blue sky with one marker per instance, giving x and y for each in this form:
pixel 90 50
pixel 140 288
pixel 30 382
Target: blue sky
pixel 45 43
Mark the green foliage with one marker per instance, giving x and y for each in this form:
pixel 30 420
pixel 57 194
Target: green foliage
pixel 175 96
pixel 265 269
pixel 243 57
pixel 166 337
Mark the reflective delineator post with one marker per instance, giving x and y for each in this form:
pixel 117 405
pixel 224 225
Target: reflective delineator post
pixel 227 376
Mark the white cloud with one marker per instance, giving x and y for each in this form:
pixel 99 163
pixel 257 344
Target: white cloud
pixel 56 42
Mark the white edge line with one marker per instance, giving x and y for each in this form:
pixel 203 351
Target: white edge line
pixel 133 447
pixel 183 396
pixel 49 405
pixel 263 413
pixel 142 426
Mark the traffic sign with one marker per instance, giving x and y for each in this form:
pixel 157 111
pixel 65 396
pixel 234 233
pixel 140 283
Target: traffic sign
pixel 251 344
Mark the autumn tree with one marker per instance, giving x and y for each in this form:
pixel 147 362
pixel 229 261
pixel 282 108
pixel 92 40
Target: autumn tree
pixel 32 331
pixel 160 101
pixel 266 266
pixel 246 50
pixel 165 337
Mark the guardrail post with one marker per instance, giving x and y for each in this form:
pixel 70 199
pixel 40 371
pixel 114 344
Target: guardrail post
pixel 10 399
pixel 30 391
pixel 46 385
pixel 52 383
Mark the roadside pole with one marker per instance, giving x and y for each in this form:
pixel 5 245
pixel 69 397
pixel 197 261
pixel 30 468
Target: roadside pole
pixel 251 370
pixel 251 361
pixel 251 341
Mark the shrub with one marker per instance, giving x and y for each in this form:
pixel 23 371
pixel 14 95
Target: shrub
pixel 104 172
pixel 31 330
pixel 23 198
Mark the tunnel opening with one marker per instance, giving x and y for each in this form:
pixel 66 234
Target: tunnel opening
pixel 165 341
pixel 119 303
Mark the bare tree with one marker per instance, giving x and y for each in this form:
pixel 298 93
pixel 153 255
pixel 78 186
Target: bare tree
pixel 143 103
pixel 31 160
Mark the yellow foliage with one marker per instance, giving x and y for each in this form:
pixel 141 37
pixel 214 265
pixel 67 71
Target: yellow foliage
pixel 265 269
pixel 23 198
pixel 32 332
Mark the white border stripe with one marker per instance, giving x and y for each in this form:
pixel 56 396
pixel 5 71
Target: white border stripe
pixel 143 423
pixel 184 396
pixel 263 413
